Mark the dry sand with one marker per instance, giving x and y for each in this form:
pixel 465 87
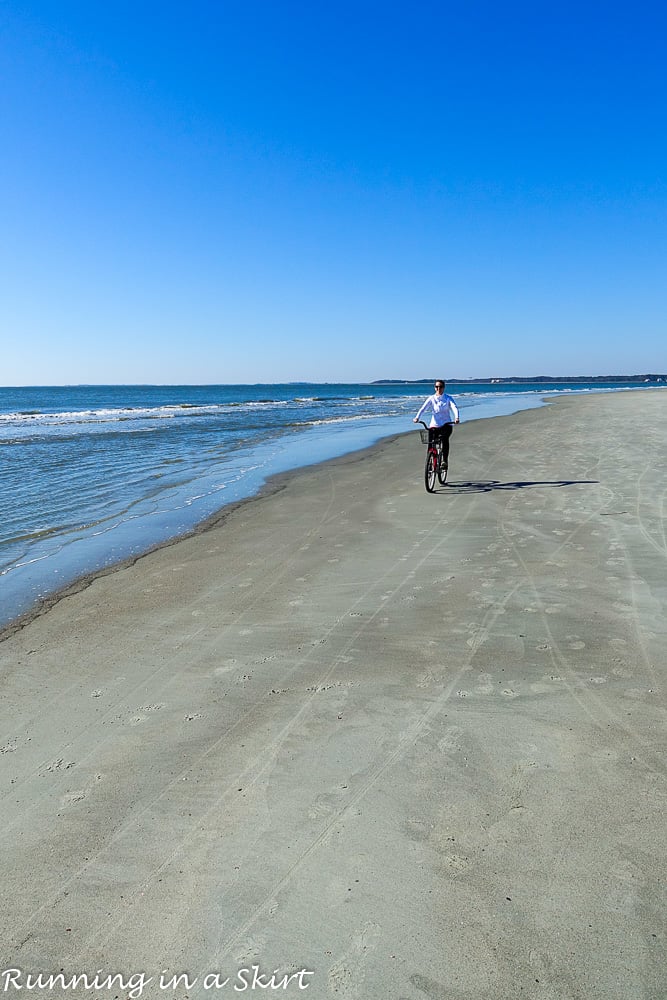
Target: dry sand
pixel 410 744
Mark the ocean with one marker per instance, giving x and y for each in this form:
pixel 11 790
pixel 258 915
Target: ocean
pixel 93 475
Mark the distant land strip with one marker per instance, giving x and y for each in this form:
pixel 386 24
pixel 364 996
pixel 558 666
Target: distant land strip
pixel 525 379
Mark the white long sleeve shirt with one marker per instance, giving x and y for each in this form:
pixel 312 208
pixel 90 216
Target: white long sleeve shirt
pixel 444 410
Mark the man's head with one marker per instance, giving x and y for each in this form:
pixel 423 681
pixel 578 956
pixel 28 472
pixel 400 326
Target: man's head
pixel 440 385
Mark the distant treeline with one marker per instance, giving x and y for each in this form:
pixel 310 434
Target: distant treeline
pixel 533 378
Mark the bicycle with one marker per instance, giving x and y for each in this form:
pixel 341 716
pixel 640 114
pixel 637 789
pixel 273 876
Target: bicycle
pixel 436 467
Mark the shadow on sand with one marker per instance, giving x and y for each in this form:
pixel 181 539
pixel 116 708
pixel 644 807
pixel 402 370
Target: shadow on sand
pixel 491 485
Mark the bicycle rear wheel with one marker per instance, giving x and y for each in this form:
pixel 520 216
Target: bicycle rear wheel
pixel 430 471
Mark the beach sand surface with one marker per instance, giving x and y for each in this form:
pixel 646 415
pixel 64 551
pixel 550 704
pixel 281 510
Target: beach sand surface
pixel 398 745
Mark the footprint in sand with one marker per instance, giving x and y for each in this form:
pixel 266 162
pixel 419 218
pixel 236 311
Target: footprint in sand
pixel 72 797
pixel 60 764
pixel 485 685
pixel 431 988
pixel 347 976
pixel 456 862
pixel 79 794
pixel 620 672
pixel 250 951
pixel 145 711
pixel 451 741
pixel 224 669
pixel 327 804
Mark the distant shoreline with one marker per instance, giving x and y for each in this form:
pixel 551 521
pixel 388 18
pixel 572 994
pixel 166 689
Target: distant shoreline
pixel 523 379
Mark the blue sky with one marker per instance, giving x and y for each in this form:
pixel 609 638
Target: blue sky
pixel 272 191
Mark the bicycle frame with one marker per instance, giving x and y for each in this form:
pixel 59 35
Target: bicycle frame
pixel 435 468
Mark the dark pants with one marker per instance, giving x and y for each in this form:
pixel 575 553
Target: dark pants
pixel 444 433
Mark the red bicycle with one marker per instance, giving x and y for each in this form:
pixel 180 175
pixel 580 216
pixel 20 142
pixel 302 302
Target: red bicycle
pixel 436 467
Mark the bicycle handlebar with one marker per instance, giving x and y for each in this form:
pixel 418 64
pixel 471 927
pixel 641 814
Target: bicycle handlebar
pixel 433 428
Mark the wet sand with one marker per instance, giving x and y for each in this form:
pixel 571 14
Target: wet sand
pixel 398 745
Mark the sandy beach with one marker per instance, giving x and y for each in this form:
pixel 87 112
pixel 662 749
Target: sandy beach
pixel 392 744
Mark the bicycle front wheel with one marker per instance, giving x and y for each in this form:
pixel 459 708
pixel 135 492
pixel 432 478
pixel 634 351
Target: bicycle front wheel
pixel 442 470
pixel 430 471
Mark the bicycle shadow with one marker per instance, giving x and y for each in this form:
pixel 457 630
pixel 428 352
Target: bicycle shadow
pixel 493 485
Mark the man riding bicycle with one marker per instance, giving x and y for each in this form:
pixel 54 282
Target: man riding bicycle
pixel 444 413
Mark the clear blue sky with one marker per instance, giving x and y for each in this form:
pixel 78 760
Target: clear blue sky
pixel 272 191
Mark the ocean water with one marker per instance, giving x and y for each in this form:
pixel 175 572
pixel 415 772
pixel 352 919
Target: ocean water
pixel 91 475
